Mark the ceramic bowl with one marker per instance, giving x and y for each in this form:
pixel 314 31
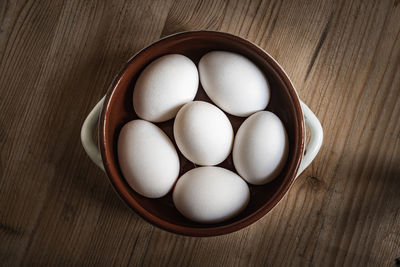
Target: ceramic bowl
pixel 116 109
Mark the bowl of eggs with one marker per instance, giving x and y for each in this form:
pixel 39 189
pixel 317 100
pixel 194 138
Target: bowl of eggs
pixel 202 133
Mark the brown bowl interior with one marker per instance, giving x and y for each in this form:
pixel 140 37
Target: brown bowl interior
pixel 118 109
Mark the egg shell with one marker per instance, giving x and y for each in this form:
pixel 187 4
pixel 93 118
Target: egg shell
pixel 147 158
pixel 210 194
pixel 164 87
pixel 234 83
pixel 203 133
pixel 261 148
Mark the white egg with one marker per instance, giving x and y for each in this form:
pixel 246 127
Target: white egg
pixel 164 87
pixel 203 133
pixel 147 158
pixel 210 194
pixel 261 148
pixel 234 83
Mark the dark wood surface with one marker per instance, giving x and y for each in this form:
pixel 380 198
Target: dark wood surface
pixel 57 59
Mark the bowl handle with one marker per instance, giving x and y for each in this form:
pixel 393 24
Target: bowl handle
pixel 88 142
pixel 316 137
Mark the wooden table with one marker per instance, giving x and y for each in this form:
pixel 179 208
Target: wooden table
pixel 57 59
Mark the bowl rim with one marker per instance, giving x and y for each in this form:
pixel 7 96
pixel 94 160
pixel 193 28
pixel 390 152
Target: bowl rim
pixel 212 230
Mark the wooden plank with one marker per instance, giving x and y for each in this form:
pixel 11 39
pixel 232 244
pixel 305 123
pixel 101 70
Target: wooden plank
pixel 67 64
pixel 57 60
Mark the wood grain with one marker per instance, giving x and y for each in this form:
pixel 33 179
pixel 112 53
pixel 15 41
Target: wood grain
pixel 57 58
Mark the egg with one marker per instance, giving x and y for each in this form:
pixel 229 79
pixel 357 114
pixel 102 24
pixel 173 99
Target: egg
pixel 261 148
pixel 164 87
pixel 203 133
pixel 147 158
pixel 234 83
pixel 210 194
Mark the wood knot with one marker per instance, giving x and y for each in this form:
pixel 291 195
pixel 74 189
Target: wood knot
pixel 315 183
pixel 10 230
